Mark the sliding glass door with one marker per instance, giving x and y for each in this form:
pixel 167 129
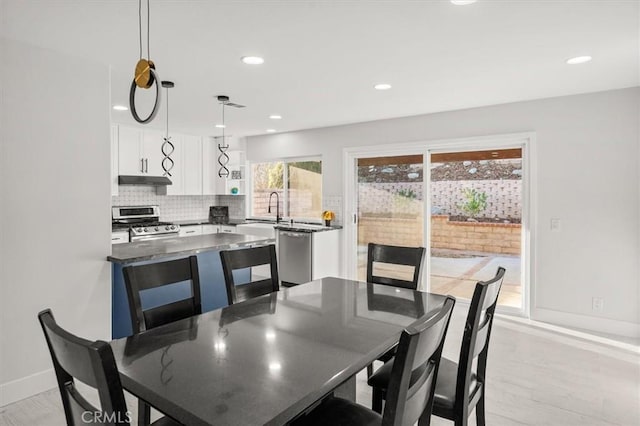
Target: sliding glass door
pixel 390 207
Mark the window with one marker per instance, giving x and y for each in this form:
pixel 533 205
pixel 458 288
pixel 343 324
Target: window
pixel 298 183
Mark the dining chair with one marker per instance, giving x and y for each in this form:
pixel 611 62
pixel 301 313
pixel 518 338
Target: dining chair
pixel 246 258
pixel 411 386
pixel 142 278
pixel 459 389
pixel 93 364
pixel 395 255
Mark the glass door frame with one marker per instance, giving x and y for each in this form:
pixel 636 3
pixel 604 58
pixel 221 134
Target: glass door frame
pixel 525 141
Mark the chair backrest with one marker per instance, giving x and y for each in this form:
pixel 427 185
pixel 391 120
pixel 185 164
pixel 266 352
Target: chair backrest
pixel 413 377
pixel 475 340
pixel 408 256
pixel 91 363
pixel 246 258
pixel 138 278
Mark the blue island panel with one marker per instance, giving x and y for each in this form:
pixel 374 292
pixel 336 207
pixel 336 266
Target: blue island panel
pixel 212 290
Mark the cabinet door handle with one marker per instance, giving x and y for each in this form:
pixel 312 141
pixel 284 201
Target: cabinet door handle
pixel 142 165
pixel 146 165
pixel 189 232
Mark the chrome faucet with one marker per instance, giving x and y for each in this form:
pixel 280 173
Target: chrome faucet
pixel 278 218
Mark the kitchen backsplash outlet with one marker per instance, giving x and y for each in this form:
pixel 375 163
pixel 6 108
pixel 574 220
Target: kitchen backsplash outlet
pixel 178 207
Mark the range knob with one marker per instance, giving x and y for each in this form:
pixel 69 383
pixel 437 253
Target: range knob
pixel 156 228
pixel 145 230
pixel 138 229
pixel 173 227
pixel 166 228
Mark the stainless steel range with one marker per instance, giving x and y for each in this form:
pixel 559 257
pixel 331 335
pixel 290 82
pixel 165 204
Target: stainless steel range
pixel 142 222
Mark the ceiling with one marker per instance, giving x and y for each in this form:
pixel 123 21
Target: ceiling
pixel 322 58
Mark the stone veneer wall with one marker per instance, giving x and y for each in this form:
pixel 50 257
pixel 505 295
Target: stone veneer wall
pixel 501 238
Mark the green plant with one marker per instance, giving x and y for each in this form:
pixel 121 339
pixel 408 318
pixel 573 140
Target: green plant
pixel 476 202
pixel 407 193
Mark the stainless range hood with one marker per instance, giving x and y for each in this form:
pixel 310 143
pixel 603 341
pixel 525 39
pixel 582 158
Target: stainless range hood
pixel 143 180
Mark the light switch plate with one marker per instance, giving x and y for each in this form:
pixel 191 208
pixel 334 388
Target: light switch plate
pixel 555 225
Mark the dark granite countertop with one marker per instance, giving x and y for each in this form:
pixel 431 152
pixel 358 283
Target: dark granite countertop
pixel 167 247
pixel 232 222
pixel 305 227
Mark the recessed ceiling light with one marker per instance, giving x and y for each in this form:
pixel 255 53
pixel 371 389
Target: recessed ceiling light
pixel 463 2
pixel 579 60
pixel 220 126
pixel 275 117
pixel 382 86
pixel 271 130
pixel 252 60
pixel 120 108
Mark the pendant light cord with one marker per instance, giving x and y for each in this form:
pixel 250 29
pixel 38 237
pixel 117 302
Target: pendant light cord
pixel 167 113
pixel 140 28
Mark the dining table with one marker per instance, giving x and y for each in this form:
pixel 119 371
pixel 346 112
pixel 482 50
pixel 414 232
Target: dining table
pixel 267 360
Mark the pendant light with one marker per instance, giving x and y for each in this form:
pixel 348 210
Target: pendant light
pixel 145 74
pixel 223 158
pixel 167 146
pixel 223 146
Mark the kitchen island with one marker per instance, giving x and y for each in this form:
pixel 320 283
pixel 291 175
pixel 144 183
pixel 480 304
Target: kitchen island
pixel 205 247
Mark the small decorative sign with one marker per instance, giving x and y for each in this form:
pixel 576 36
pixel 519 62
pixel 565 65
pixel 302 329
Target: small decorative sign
pixel 236 174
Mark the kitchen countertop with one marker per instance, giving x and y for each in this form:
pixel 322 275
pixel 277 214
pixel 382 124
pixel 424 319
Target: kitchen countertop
pixel 232 222
pixel 305 227
pixel 161 248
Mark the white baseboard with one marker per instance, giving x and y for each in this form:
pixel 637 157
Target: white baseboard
pixel 25 387
pixel 585 322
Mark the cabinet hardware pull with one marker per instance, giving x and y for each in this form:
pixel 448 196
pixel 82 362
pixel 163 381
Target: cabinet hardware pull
pixel 146 165
pixel 142 165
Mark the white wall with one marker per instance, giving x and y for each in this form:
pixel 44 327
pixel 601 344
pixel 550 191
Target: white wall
pixel 54 216
pixel 588 175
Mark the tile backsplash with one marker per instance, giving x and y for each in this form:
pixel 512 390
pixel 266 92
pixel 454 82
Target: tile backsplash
pixel 178 207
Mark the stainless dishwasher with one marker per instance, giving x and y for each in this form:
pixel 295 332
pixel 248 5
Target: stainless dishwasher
pixel 294 257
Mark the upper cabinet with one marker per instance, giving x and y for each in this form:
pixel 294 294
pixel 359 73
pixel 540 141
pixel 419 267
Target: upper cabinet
pixel 138 152
pixel 186 174
pixel 114 160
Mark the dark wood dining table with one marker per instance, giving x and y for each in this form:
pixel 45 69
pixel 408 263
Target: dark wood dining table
pixel 268 359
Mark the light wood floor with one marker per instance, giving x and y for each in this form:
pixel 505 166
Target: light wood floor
pixel 535 377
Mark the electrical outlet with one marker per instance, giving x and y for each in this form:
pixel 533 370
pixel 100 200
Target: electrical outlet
pixel 555 225
pixel 597 304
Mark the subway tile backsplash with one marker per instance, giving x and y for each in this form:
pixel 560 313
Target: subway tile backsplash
pixel 178 207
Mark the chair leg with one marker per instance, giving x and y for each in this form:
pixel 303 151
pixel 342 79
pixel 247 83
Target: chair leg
pixel 144 413
pixel 369 370
pixel 376 402
pixel 480 411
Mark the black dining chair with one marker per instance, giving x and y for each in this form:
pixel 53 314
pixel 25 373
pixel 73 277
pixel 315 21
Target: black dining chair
pixel 395 255
pixel 233 260
pixel 459 389
pixel 139 278
pixel 93 364
pixel 411 385
pixel 142 278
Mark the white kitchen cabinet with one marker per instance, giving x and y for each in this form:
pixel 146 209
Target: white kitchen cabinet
pixel 210 229
pixel 192 165
pixel 228 229
pixel 130 158
pixel 152 152
pixel 119 237
pixel 139 152
pixel 114 160
pixel 190 230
